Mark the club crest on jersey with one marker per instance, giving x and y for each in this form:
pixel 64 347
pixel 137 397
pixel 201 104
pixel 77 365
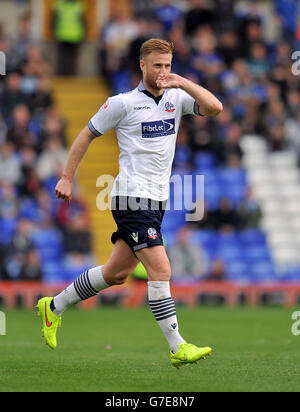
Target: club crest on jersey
pixel 152 234
pixel 169 107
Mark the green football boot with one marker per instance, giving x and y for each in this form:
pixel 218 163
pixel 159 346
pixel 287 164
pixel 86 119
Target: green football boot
pixel 50 321
pixel 188 354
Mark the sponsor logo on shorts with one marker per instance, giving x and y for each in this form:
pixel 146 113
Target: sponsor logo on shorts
pixel 158 128
pixel 152 234
pixel 135 236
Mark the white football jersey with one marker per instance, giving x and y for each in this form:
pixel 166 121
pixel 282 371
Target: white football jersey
pixel 146 129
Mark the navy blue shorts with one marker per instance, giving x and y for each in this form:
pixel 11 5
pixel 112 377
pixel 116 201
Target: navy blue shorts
pixel 138 221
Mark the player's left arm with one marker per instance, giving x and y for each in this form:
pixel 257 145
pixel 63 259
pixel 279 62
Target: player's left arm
pixel 208 103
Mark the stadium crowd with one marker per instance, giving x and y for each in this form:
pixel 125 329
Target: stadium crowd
pixel 240 50
pixel 36 230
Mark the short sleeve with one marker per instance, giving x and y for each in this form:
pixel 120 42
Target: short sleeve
pixel 189 105
pixel 108 116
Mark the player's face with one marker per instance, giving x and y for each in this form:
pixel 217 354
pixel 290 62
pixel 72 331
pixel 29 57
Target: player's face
pixel 154 66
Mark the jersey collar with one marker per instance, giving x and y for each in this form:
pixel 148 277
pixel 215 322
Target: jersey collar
pixel 142 88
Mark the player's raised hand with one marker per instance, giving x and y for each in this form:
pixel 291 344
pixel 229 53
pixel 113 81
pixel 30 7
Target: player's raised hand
pixel 168 81
pixel 63 189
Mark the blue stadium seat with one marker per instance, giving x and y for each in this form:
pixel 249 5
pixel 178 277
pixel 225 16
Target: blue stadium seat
pixel 235 192
pixel 238 271
pixel 263 271
pixel 230 253
pixel 205 160
pixel 53 271
pixel 212 195
pixel 7 229
pixel 169 238
pixel 204 237
pixel 230 176
pixel 49 243
pixel 182 155
pixel 231 238
pixel 173 219
pixel 256 253
pixel 211 176
pixel 29 209
pixel 254 237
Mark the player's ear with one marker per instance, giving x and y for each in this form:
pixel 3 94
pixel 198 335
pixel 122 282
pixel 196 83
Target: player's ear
pixel 142 64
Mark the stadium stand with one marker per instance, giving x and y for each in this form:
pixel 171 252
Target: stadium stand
pixel 249 154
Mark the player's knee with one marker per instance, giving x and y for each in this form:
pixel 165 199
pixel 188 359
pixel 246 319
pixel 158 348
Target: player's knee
pixel 121 277
pixel 160 273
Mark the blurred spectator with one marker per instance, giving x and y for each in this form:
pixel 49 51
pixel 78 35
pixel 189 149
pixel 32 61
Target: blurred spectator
pixel 31 270
pixel 66 212
pixel 186 258
pixel 18 249
pixel 199 15
pixel 205 60
pixel 168 14
pixel 117 35
pixel 3 274
pixel 41 98
pixel 46 207
pixel 225 218
pixel 133 57
pixel 225 16
pixel 258 62
pixel 53 125
pixel 52 158
pixel 23 40
pixel 77 235
pixel 23 129
pixel 29 183
pixel 291 132
pixel 277 140
pixel 9 202
pixel 34 66
pixel 229 47
pixel 142 9
pixel 287 11
pixel 250 212
pixel 182 52
pixel 217 272
pixel 3 130
pixel 11 95
pixel 204 139
pixel 69 31
pixel 232 143
pixel 9 164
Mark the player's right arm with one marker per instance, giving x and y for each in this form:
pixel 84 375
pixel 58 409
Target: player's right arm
pixel 63 189
pixel 108 117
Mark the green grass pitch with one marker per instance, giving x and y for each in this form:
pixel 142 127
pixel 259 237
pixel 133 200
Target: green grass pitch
pixel 123 350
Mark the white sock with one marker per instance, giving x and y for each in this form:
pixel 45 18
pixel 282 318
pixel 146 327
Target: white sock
pixel 163 308
pixel 88 284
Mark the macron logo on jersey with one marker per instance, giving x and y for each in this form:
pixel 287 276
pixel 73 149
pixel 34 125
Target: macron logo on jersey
pixel 158 128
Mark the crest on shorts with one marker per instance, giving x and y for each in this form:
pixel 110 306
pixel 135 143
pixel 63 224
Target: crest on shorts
pixel 152 234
